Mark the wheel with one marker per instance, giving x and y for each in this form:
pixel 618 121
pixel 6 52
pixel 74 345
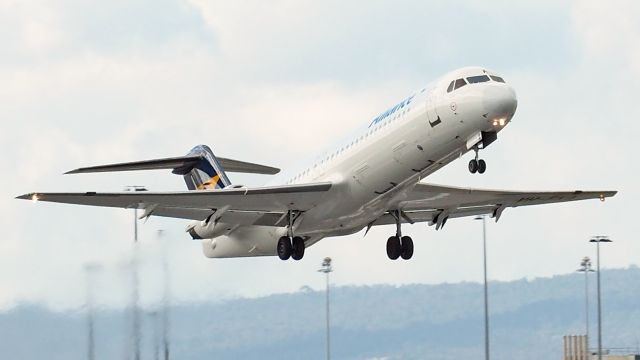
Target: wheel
pixel 482 166
pixel 393 248
pixel 407 248
pixel 473 166
pixel 284 248
pixel 298 248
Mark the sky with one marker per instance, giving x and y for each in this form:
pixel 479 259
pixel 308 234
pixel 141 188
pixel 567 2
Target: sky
pixel 91 82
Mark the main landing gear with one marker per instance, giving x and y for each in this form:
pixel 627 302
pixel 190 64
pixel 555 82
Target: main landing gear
pixel 291 246
pixel 398 245
pixel 477 166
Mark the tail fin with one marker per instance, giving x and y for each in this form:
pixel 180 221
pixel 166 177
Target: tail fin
pixel 206 173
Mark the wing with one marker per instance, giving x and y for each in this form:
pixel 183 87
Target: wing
pixel 245 205
pixel 435 204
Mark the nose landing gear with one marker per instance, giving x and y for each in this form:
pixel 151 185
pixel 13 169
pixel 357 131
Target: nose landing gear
pixel 477 165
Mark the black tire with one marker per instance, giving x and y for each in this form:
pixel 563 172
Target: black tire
pixel 473 166
pixel 298 248
pixel 407 248
pixel 393 248
pixel 482 166
pixel 284 248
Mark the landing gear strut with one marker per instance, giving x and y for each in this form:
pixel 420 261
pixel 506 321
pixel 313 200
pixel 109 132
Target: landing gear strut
pixel 398 245
pixel 291 246
pixel 477 165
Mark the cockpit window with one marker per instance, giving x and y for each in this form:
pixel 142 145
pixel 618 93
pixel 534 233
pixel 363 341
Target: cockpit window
pixel 478 79
pixel 450 88
pixel 459 83
pixel 497 78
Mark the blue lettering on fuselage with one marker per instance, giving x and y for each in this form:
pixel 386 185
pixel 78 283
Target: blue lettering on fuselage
pixel 385 114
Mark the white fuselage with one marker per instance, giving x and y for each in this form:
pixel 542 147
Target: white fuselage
pixel 373 171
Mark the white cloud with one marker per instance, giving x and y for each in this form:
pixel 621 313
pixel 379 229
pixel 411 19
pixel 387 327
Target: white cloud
pixel 96 105
pixel 606 26
pixel 609 31
pixel 33 27
pixel 247 29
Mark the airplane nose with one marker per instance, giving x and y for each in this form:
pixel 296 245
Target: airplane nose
pixel 500 102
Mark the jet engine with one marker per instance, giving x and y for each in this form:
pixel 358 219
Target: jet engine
pixel 245 241
pixel 206 229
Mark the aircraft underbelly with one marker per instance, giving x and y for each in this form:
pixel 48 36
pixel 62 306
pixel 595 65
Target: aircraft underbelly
pixel 371 190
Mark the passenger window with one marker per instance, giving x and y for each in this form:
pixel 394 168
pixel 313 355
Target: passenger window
pixel 478 79
pixel 497 78
pixel 450 88
pixel 459 83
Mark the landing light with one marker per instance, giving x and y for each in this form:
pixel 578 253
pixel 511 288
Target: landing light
pixel 34 198
pixel 499 122
pixel 602 198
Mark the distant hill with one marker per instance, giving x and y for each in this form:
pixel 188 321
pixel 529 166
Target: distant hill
pixel 528 320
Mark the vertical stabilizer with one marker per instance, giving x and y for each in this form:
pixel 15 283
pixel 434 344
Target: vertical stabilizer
pixel 206 173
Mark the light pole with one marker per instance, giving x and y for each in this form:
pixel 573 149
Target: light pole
pixel 136 312
pixel 90 269
pixel 598 240
pixel 585 267
pixel 165 298
pixel 153 315
pixel 326 268
pixel 135 210
pixel 486 289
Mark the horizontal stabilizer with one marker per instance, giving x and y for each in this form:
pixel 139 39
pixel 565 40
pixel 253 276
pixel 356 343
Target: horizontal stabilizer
pixel 238 166
pixel 177 163
pixel 157 164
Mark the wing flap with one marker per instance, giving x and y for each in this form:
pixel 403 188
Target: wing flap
pixel 430 215
pixel 229 217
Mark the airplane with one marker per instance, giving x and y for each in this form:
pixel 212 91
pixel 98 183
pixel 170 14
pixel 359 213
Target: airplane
pixel 373 179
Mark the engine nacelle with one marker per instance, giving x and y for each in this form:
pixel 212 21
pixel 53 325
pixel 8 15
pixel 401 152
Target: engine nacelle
pixel 205 229
pixel 244 242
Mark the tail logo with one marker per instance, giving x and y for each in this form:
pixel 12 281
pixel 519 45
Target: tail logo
pixel 213 183
pixel 207 173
